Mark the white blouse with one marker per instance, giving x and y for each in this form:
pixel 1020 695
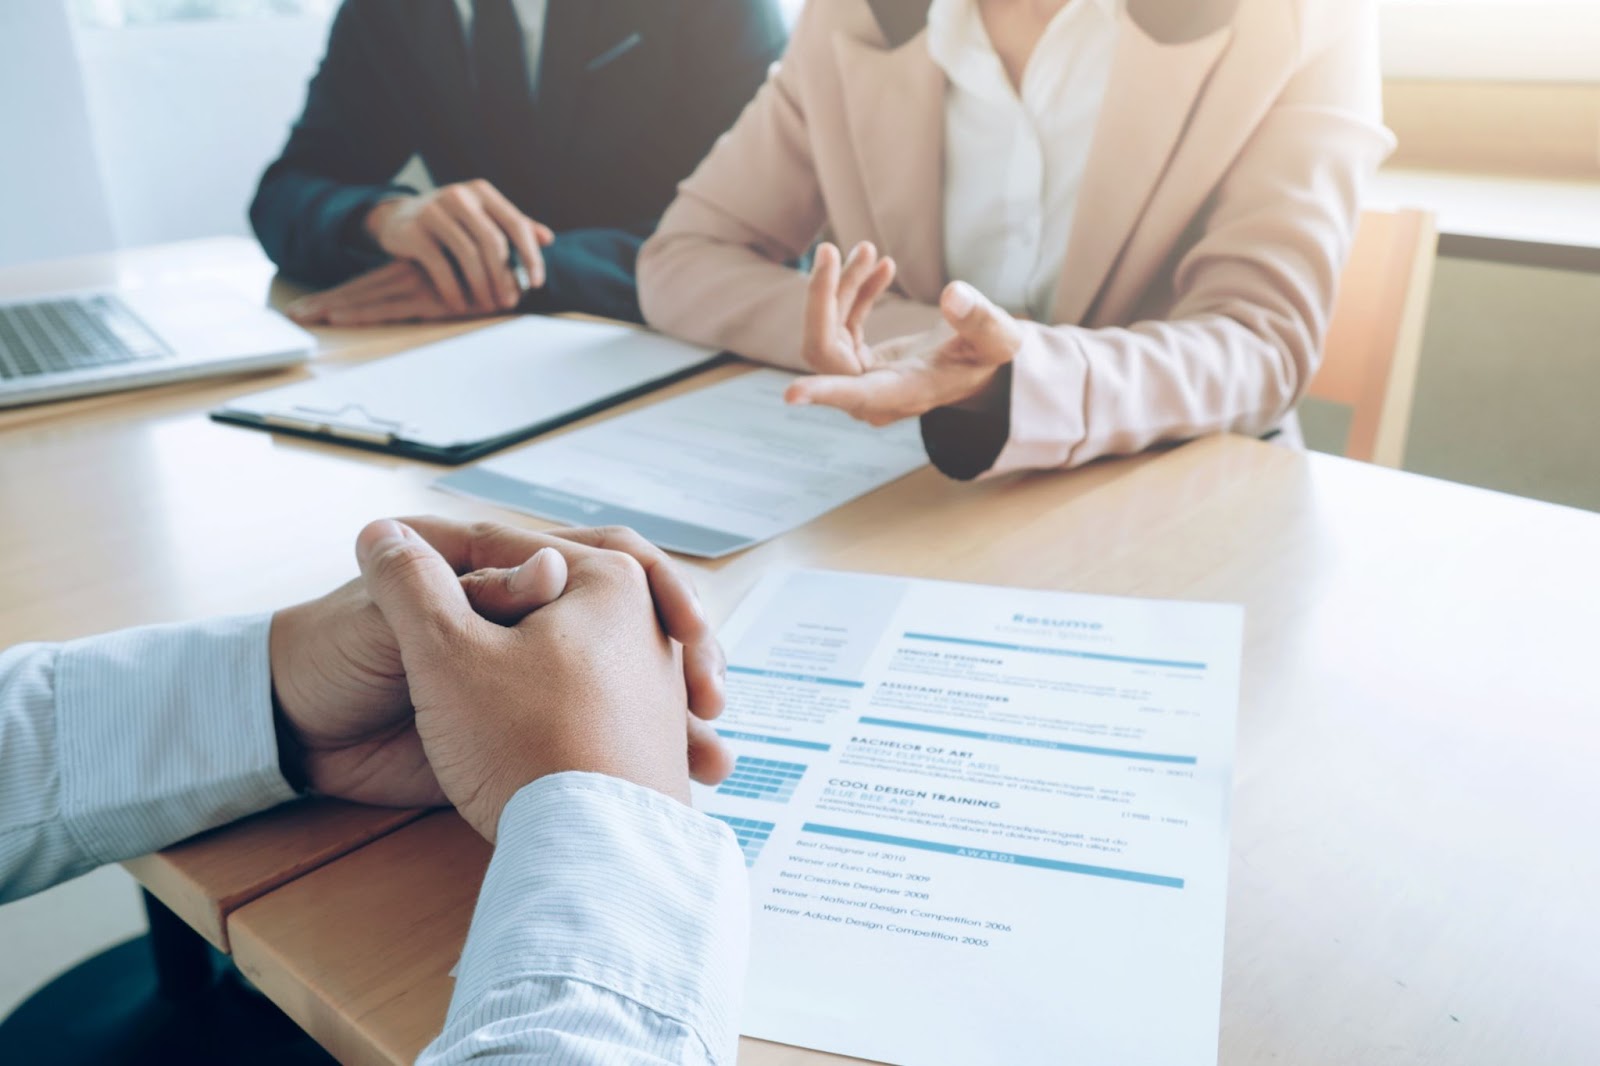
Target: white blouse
pixel 1013 163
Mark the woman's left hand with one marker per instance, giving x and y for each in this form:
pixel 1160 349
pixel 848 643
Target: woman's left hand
pixel 840 298
pixel 909 376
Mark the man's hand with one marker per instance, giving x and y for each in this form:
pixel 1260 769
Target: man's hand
pixel 462 236
pixel 340 686
pixel 588 683
pixel 909 376
pixel 400 291
pixel 489 546
pixel 340 692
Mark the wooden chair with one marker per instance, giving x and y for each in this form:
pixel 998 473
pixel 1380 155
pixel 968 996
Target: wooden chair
pixel 1374 340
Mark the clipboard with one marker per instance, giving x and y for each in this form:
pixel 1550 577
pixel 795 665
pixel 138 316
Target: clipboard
pixel 463 398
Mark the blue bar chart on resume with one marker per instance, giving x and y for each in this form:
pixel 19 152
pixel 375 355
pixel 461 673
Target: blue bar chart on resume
pixel 750 834
pixel 763 779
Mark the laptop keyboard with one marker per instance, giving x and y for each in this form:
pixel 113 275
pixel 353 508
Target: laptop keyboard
pixel 56 336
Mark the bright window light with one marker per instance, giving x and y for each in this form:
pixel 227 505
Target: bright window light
pixel 114 13
pixel 1492 40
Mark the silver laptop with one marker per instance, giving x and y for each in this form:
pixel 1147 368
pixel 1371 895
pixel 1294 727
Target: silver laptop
pixel 77 343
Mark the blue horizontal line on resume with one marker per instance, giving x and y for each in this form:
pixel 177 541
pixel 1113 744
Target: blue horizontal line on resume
pixel 810 679
pixel 1072 653
pixel 1029 742
pixel 786 742
pixel 994 856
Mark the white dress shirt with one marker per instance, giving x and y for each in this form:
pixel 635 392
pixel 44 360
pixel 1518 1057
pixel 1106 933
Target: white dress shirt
pixel 1013 162
pixel 531 14
pixel 611 928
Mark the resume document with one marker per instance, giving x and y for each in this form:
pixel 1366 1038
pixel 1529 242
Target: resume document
pixel 983 825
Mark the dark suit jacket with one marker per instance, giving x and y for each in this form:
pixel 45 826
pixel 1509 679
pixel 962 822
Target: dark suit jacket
pixel 612 136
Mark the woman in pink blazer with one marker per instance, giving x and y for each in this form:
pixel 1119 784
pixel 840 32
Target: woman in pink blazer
pixel 1077 228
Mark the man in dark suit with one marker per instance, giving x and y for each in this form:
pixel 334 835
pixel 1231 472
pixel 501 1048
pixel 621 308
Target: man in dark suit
pixel 556 130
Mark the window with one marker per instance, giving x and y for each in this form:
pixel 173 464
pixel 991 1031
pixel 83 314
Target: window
pixel 1492 40
pixel 1477 40
pixel 114 13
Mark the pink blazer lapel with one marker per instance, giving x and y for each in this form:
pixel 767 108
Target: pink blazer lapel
pixel 894 103
pixel 1155 88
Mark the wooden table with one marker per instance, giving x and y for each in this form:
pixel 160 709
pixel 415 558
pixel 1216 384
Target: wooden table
pixel 1416 834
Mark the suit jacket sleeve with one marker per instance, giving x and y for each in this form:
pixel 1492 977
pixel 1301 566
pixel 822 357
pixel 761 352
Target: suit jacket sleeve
pixel 1252 295
pixel 343 151
pixel 715 273
pixel 723 50
pixel 591 271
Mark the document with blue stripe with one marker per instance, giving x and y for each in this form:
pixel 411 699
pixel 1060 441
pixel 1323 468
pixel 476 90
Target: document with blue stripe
pixel 983 825
pixel 707 473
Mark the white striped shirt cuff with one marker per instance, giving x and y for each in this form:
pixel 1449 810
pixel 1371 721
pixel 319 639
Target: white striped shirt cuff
pixel 165 732
pixel 612 927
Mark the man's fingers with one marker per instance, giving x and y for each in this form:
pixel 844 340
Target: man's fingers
pixel 678 608
pixel 506 597
pixel 401 273
pixel 710 761
pixel 524 233
pixel 874 286
pixel 492 249
pixel 425 306
pixel 546 235
pixel 417 591
pixel 306 314
pixel 375 280
pixel 450 232
pixel 469 546
pixel 403 282
pixel 443 275
pixel 408 298
pixel 677 602
pixel 485 545
pixel 989 330
pixel 377 284
pixel 528 249
pixel 705 672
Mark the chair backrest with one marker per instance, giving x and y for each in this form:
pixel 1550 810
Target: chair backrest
pixel 1369 360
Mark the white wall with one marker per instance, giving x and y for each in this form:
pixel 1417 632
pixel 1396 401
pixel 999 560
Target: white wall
pixel 51 198
pixel 186 115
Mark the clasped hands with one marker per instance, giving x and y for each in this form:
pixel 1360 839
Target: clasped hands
pixel 469 660
pixel 906 376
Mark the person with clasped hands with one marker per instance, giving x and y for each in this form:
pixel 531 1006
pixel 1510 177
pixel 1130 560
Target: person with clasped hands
pixel 1056 229
pixel 555 688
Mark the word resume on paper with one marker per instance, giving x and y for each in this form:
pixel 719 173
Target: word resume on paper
pixel 707 473
pixel 983 825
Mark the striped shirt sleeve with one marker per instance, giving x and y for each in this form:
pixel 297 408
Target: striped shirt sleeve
pixel 118 745
pixel 612 930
